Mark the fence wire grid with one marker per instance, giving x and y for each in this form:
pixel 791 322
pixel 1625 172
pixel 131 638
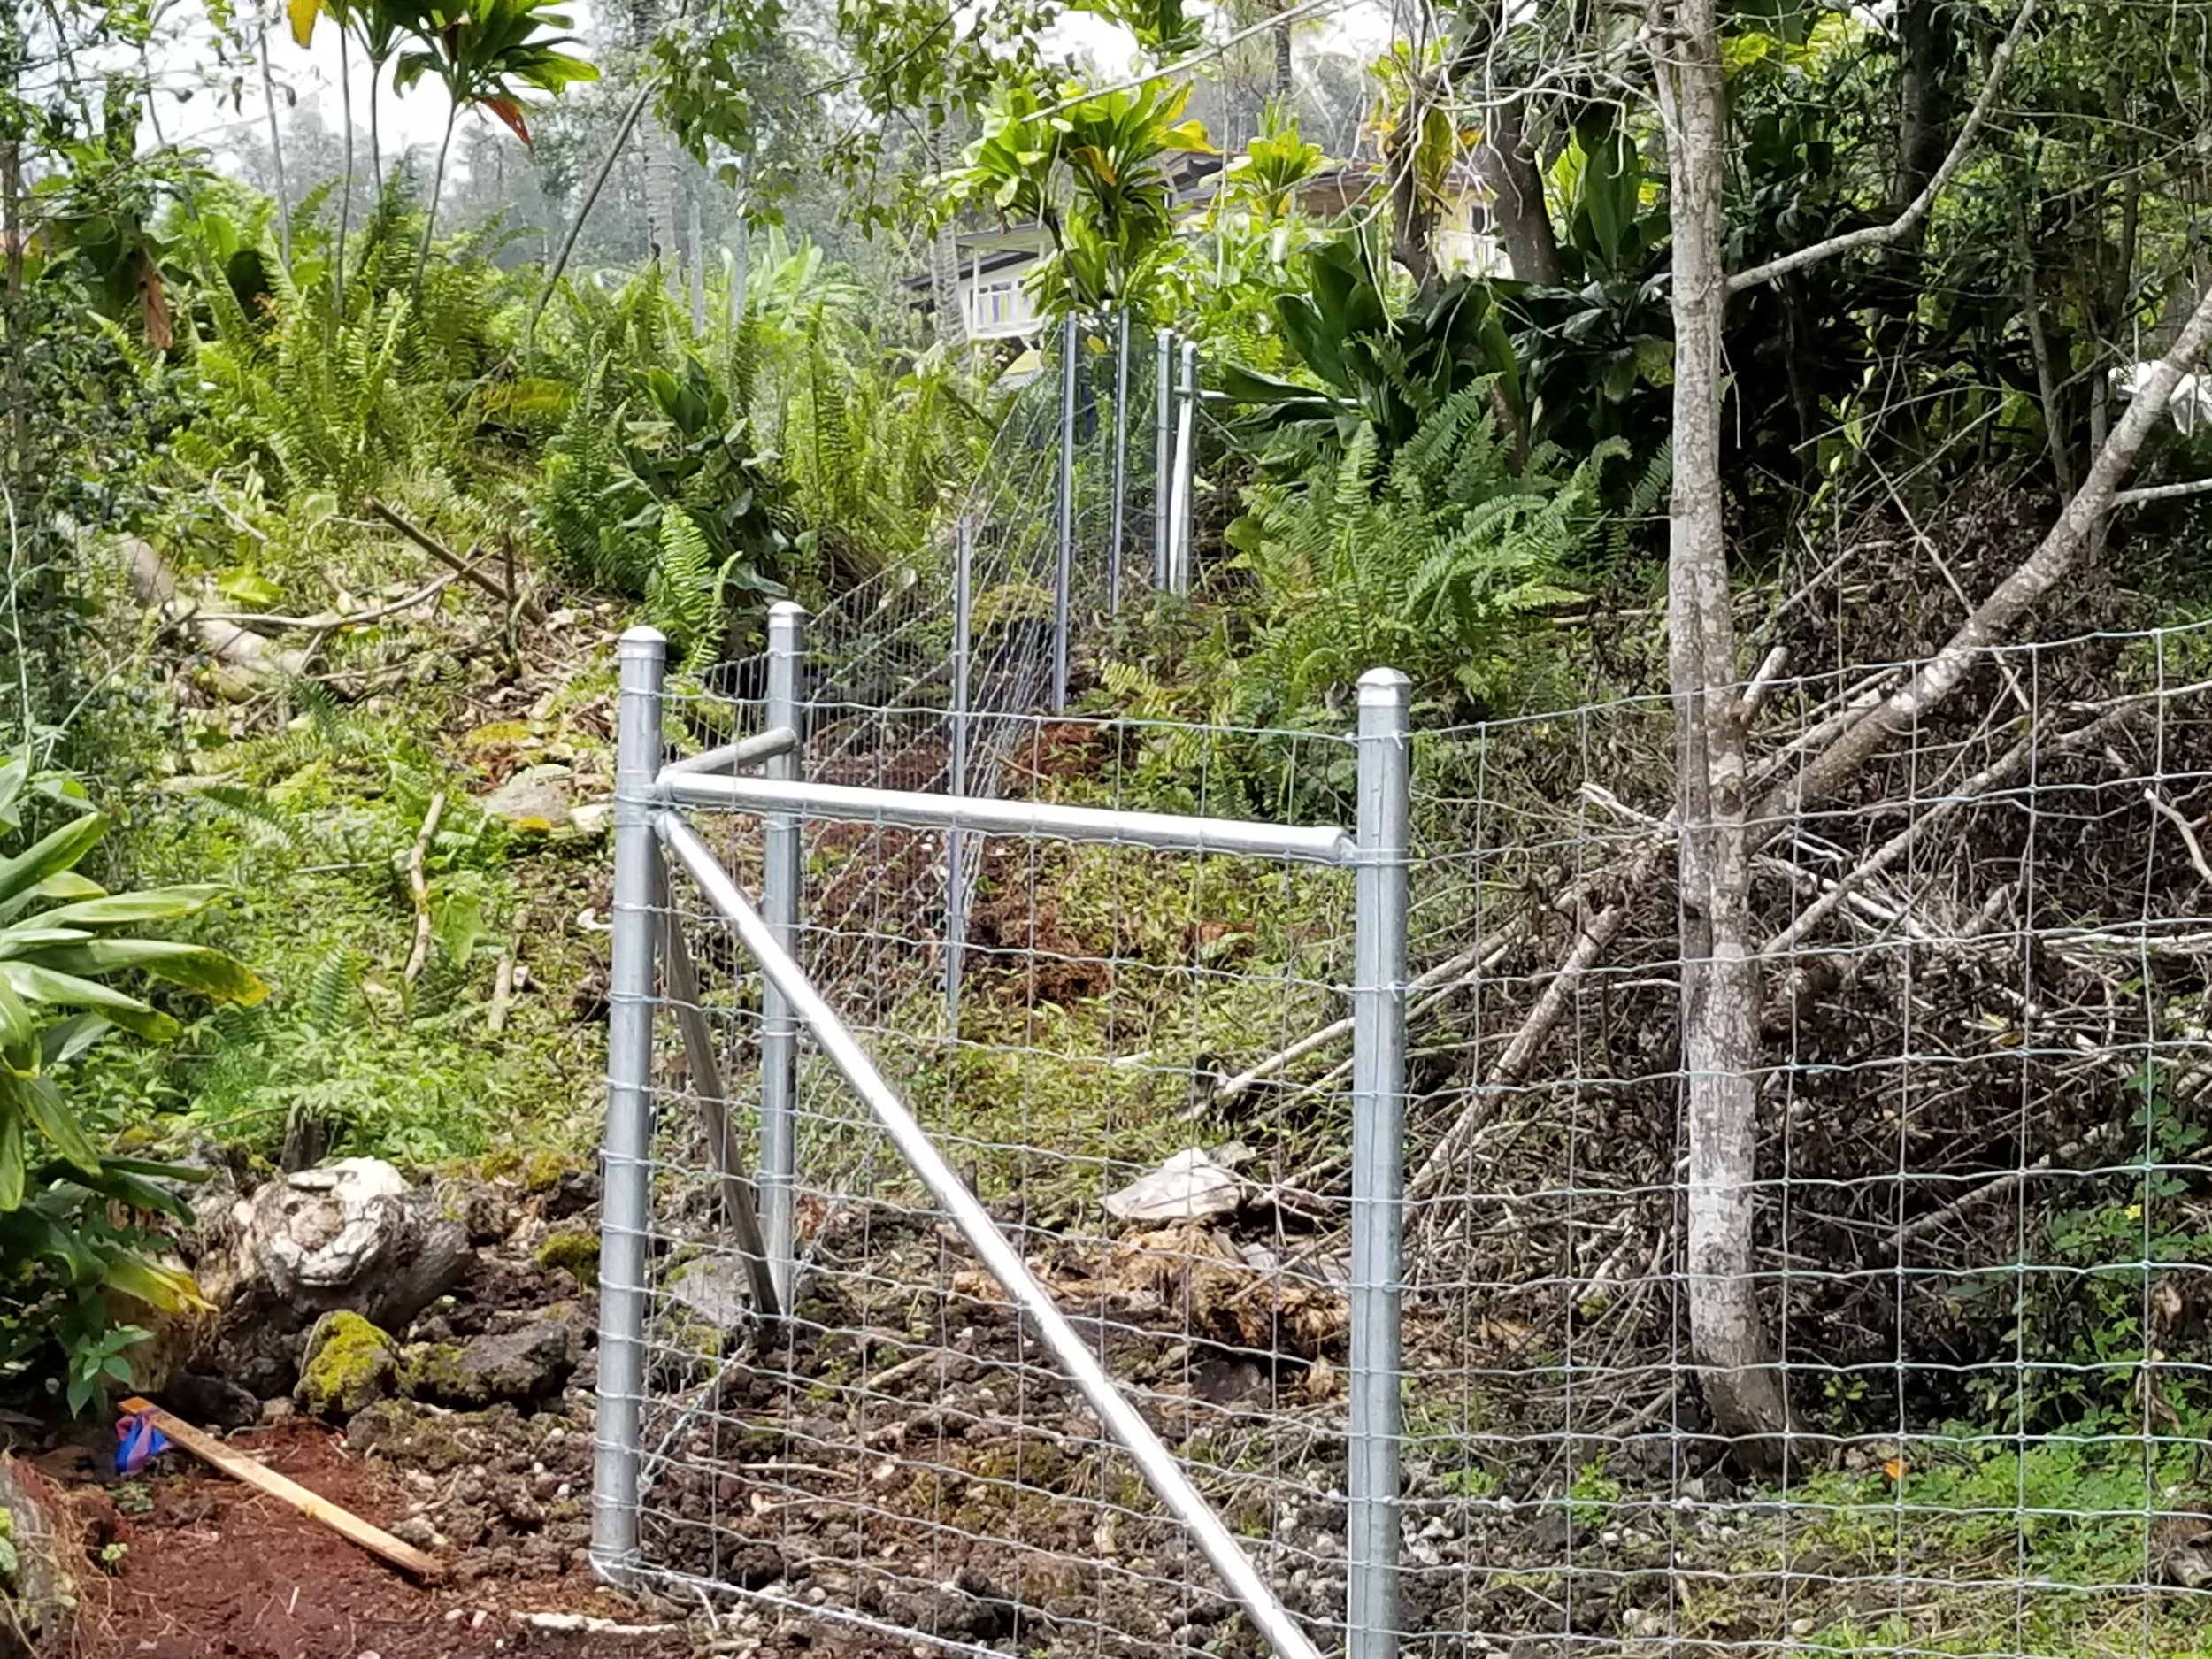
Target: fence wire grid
pixel 1982 1205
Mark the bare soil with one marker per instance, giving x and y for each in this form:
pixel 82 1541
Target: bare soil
pixel 215 1568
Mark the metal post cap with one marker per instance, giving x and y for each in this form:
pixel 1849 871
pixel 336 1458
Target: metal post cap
pixel 1383 684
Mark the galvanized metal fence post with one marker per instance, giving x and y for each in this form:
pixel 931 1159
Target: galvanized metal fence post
pixel 625 1175
pixel 1121 461
pixel 1185 473
pixel 779 906
pixel 1162 454
pixel 1378 1063
pixel 956 894
pixel 1063 570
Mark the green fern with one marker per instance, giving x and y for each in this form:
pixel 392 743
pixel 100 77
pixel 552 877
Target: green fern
pixel 1441 562
pixel 263 819
pixel 684 599
pixel 330 998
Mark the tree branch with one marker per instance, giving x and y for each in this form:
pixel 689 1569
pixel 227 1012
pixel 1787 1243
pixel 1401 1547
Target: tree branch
pixel 2160 492
pixel 2053 558
pixel 1879 235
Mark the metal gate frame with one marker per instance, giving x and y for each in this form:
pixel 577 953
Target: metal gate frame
pixel 650 831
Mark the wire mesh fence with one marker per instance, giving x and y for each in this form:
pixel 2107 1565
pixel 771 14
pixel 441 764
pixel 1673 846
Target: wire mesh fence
pixel 1981 1206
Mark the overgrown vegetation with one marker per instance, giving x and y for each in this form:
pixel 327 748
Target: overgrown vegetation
pixel 326 491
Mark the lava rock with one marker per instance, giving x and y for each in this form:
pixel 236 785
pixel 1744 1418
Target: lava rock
pixel 348 1365
pixel 526 1365
pixel 214 1402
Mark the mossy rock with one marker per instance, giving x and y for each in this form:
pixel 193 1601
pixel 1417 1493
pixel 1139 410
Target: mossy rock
pixel 350 1364
pixel 573 1249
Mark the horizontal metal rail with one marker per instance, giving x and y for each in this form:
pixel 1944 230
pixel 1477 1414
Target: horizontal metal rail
pixel 747 751
pixel 1121 1420
pixel 1320 844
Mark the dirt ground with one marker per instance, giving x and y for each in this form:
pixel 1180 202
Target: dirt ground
pixel 215 1568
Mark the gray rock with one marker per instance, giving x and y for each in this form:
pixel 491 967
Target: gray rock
pixel 536 798
pixel 715 1288
pixel 528 1364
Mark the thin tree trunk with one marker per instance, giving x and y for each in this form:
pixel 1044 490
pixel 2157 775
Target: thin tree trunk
pixel 437 190
pixel 1286 77
pixel 345 195
pixel 944 252
pixel 591 200
pixel 376 140
pixel 1719 973
pixel 276 154
pixel 660 174
pixel 1924 104
pixel 695 261
pixel 17 471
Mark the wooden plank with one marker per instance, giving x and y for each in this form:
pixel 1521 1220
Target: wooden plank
pixel 242 1468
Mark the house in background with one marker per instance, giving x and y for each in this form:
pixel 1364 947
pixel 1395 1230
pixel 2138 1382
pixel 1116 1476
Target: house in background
pixel 994 266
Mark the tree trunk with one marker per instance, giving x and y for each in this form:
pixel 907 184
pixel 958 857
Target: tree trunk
pixel 1719 973
pixel 376 140
pixel 1286 76
pixel 1412 216
pixel 944 256
pixel 591 199
pixel 1516 189
pixel 276 155
pixel 660 171
pixel 695 262
pixel 345 195
pixel 16 473
pixel 437 190
pixel 1924 103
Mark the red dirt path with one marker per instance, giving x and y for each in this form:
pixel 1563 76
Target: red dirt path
pixel 218 1569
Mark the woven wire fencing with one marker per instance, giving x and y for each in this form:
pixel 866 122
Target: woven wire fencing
pixel 1981 1205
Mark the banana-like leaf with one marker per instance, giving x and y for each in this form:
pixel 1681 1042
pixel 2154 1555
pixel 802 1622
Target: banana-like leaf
pixel 154 904
pixel 37 984
pixel 51 854
pixel 42 1104
pixel 195 967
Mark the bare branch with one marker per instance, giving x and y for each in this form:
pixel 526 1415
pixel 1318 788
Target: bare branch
pixel 2173 814
pixel 1880 235
pixel 1994 617
pixel 2160 492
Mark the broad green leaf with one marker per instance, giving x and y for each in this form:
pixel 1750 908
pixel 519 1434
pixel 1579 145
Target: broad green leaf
pixel 13 775
pixel 50 854
pixel 22 941
pixel 165 1289
pixel 154 904
pixel 19 1032
pixel 304 14
pixel 42 1102
pixel 195 967
pixel 63 1039
pixel 11 1157
pixel 37 984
